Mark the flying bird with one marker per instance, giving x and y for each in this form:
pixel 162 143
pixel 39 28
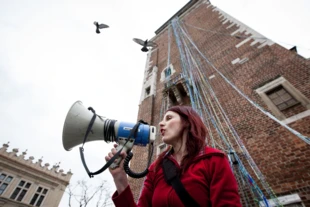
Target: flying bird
pixel 145 44
pixel 100 26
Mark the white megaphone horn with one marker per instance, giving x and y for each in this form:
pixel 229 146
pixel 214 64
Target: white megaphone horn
pixel 78 121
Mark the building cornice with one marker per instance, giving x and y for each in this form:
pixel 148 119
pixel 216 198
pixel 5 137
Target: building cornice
pixel 22 170
pixel 18 163
pixel 179 13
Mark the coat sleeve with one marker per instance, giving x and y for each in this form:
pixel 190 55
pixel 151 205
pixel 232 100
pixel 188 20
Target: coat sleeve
pixel 126 199
pixel 223 185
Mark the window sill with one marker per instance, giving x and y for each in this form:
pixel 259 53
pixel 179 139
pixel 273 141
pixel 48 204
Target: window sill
pixel 296 117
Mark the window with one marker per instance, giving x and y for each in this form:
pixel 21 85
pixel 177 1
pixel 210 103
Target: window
pixel 281 98
pixel 148 91
pixel 4 182
pixel 279 94
pixel 38 197
pixel 167 72
pixel 20 191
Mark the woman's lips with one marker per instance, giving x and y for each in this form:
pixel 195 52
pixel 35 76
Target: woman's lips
pixel 162 131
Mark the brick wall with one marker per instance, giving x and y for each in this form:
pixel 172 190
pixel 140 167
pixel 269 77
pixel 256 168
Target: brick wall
pixel 282 157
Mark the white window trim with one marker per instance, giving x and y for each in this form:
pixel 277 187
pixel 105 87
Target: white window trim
pixel 289 88
pixel 162 75
pixel 297 117
pixel 25 198
pixel 146 89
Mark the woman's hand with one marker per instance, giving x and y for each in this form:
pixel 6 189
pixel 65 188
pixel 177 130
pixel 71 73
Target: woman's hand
pixel 118 173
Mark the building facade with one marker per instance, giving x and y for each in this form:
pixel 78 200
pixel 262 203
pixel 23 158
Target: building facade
pixel 25 183
pixel 252 93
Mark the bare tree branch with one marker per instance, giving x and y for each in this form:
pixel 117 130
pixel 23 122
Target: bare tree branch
pixel 87 193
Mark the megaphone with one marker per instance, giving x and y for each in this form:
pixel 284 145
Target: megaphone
pixel 77 130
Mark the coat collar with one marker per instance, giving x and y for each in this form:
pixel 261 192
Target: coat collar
pixel 207 152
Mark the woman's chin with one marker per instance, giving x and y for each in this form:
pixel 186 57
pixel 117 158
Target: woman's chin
pixel 165 140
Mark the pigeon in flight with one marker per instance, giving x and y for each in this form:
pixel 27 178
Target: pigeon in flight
pixel 145 44
pixel 100 26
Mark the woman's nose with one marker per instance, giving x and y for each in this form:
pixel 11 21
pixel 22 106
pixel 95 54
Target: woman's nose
pixel 161 123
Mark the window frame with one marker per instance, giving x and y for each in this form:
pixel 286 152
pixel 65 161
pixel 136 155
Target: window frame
pixel 281 81
pixel 147 91
pixel 275 91
pixel 21 190
pixel 167 72
pixel 39 195
pixel 3 181
pixel 163 76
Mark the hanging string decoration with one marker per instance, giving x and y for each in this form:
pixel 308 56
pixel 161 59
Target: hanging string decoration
pixel 222 134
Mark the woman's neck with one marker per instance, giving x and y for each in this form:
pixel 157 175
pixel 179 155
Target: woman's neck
pixel 179 147
pixel 179 151
pixel 178 157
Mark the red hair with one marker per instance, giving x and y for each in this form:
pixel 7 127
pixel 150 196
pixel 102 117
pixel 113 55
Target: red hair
pixel 196 136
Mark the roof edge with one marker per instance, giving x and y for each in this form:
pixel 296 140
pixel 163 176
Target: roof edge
pixel 179 13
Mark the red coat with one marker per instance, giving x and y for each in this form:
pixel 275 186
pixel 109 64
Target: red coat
pixel 209 180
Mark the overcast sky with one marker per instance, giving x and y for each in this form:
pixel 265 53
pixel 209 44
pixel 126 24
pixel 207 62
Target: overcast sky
pixel 50 57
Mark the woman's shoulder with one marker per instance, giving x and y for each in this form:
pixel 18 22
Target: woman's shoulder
pixel 210 151
pixel 153 166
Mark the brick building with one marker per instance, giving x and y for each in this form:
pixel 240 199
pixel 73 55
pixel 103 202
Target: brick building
pixel 253 94
pixel 25 183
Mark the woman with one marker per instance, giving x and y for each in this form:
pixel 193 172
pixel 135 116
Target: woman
pixel 204 172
